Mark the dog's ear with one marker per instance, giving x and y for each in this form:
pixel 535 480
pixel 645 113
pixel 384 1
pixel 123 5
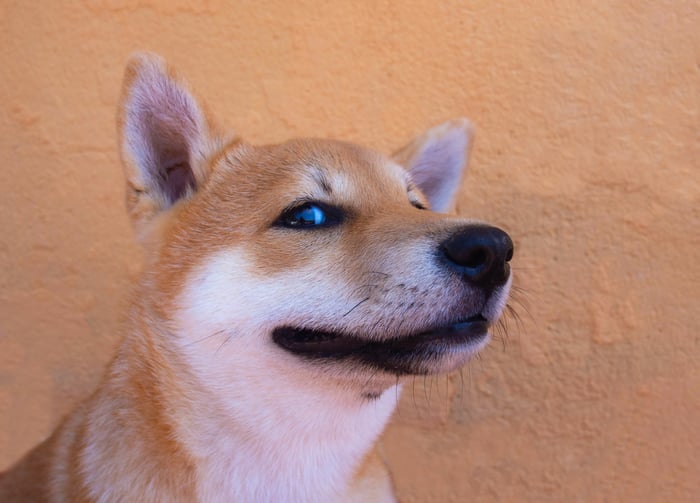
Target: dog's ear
pixel 165 138
pixel 436 161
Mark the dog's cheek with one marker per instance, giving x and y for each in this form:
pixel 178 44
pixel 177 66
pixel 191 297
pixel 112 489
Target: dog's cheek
pixel 229 298
pixel 282 251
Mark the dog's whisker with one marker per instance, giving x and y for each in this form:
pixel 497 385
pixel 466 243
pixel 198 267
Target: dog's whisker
pixel 413 392
pixel 225 341
pixel 504 337
pixel 496 333
pixel 396 391
pixel 218 332
pixel 470 380
pixel 519 289
pixel 366 289
pixel 428 385
pixel 356 305
pixel 512 312
pixel 520 293
pixel 370 378
pixel 425 390
pixel 515 301
pixel 506 327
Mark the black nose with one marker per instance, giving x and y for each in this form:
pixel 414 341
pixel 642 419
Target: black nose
pixel 480 253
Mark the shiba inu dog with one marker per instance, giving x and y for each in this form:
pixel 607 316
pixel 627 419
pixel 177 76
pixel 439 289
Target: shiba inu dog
pixel 287 292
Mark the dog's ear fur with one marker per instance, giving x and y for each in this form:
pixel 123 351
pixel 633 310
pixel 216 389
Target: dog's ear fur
pixel 165 138
pixel 437 160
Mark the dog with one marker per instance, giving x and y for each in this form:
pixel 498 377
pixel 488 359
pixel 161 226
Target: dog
pixel 288 290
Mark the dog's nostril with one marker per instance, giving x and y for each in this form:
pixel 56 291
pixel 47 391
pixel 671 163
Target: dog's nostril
pixel 509 254
pixel 474 258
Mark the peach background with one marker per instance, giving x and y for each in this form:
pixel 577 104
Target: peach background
pixel 587 152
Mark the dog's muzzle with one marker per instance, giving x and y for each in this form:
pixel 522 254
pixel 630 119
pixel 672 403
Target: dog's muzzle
pixel 479 255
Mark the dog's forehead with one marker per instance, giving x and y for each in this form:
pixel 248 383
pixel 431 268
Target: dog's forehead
pixel 326 169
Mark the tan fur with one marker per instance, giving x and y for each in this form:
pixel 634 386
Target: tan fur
pixel 136 437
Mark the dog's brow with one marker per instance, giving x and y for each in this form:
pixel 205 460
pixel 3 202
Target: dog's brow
pixel 410 186
pixel 320 177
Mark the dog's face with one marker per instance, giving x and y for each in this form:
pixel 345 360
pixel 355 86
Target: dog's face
pixel 312 258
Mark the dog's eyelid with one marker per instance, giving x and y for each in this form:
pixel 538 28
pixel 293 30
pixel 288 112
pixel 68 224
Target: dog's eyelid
pixel 417 204
pixel 303 201
pixel 413 195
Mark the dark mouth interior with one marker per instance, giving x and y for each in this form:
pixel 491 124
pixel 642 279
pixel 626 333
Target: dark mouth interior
pixel 334 345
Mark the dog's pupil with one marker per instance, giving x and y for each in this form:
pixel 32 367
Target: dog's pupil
pixel 309 215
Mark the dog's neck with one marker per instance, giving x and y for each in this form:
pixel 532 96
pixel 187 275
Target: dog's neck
pixel 256 441
pixel 301 449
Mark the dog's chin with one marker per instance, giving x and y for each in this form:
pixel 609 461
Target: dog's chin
pixel 435 350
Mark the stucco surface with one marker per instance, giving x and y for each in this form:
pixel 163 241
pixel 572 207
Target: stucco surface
pixel 588 141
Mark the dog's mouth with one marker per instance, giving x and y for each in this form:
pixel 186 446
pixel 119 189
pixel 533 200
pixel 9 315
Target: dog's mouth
pixel 418 353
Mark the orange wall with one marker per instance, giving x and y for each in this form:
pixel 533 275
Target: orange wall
pixel 587 152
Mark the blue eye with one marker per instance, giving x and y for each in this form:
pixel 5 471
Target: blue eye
pixel 309 215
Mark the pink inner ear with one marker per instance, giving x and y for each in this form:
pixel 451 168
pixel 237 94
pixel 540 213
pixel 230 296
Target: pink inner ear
pixel 437 169
pixel 436 163
pixel 163 130
pixel 170 166
pixel 178 180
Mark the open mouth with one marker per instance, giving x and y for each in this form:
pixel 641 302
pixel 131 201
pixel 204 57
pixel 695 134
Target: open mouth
pixel 411 354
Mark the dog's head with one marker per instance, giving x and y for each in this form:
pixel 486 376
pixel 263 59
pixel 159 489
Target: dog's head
pixel 314 257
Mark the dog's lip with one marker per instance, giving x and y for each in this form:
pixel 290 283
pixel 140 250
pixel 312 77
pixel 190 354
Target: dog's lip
pixel 335 345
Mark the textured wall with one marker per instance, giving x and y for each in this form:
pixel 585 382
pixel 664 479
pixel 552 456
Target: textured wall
pixel 587 152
